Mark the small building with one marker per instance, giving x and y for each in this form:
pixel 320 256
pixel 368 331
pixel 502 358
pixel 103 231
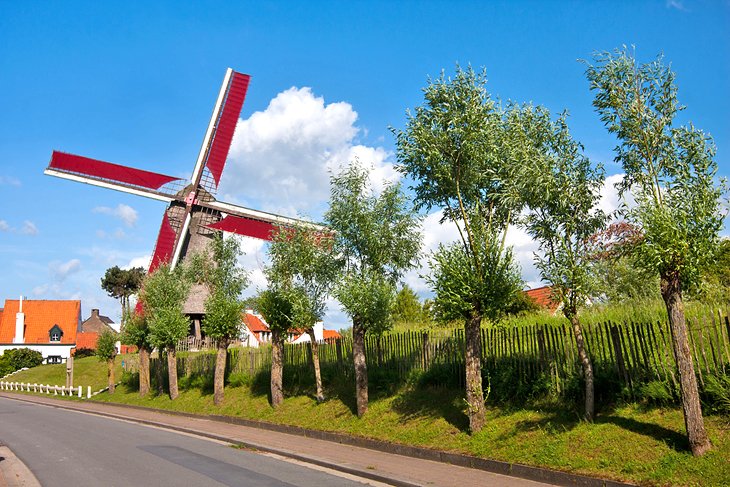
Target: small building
pixel 47 326
pixel 257 332
pixel 97 323
pixel 544 298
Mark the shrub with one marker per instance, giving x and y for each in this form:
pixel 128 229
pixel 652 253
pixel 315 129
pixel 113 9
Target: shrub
pixel 18 358
pixel 84 352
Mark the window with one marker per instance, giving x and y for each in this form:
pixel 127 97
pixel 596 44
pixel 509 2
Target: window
pixel 54 359
pixel 55 333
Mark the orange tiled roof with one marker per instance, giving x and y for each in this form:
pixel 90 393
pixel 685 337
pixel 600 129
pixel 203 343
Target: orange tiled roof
pixel 254 323
pixel 86 339
pixel 543 297
pixel 40 316
pixel 331 334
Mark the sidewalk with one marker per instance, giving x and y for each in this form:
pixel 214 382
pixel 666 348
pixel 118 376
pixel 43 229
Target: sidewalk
pixel 388 467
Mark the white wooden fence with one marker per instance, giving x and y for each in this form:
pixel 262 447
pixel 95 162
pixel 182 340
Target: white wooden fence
pixel 45 388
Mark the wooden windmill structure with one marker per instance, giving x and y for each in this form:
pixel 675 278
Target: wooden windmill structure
pixel 193 215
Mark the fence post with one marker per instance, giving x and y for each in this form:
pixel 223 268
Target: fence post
pixel 616 340
pixel 79 392
pixel 338 348
pixel 88 392
pixel 424 345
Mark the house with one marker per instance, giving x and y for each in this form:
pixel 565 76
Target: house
pixel 47 326
pixel 97 323
pixel 543 297
pixel 256 332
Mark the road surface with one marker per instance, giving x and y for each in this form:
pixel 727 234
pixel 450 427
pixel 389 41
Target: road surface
pixel 64 448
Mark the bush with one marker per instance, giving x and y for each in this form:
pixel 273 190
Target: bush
pixel 84 352
pixel 18 358
pixel 716 393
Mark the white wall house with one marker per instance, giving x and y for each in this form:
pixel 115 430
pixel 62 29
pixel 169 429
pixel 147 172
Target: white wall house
pixel 47 326
pixel 256 332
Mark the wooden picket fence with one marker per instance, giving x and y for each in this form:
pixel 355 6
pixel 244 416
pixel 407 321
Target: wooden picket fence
pixel 633 353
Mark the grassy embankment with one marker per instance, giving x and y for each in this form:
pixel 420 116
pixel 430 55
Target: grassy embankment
pixel 627 442
pixel 88 371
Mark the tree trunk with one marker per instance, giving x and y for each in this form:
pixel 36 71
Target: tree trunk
pixel 144 371
pixel 220 371
pixel 585 362
pixel 172 372
pixel 277 368
pixel 361 367
pixel 693 421
pixel 158 373
pixel 473 359
pixel 110 374
pixel 315 362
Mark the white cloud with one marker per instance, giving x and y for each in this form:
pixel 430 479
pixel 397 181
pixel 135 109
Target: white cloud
pixel 123 212
pixel 4 227
pixel 142 261
pixel 281 157
pixel 61 270
pixel 9 181
pixel 29 228
pixel 677 5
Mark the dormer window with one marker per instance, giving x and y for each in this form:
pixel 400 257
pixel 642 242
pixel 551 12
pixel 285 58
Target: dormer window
pixel 55 333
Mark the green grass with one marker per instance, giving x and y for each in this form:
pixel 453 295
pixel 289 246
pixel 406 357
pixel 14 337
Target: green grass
pixel 628 442
pixel 88 371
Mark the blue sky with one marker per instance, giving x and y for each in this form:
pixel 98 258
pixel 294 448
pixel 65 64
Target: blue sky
pixel 135 83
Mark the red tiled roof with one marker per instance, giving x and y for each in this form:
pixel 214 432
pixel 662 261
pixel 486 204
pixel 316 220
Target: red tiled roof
pixel 254 323
pixel 40 316
pixel 331 334
pixel 86 340
pixel 543 296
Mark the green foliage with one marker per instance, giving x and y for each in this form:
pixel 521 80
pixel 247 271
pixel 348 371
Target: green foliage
pixel 562 198
pixel 620 280
pixel 18 358
pixel 122 283
pixel 378 239
pixel 275 306
pixel 106 346
pixel 136 331
pixel 304 268
pixel 669 170
pixel 84 352
pixel 467 155
pixel 370 298
pixel 716 393
pixel 408 310
pixel 459 293
pixel 226 281
pixel 163 295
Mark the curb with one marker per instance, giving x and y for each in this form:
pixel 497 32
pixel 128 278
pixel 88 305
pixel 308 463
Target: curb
pixel 459 459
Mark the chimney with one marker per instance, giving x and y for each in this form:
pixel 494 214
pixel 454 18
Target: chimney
pixel 95 313
pixel 19 324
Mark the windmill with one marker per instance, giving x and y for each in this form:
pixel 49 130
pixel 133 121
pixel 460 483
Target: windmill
pixel 193 215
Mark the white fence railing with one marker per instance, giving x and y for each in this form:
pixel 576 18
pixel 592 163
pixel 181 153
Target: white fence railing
pixel 45 388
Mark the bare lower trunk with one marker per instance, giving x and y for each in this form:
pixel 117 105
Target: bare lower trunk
pixel 172 372
pixel 144 371
pixel 361 367
pixel 220 371
pixel 277 369
pixel 158 373
pixel 110 374
pixel 473 359
pixel 315 361
pixel 693 421
pixel 585 362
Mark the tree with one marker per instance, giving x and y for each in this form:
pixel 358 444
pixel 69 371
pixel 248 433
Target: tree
pixel 163 296
pixel 136 331
pixel 378 238
pixel 670 171
pixel 465 154
pixel 121 284
pixel 275 304
pixel 303 264
pixel 223 307
pixel 106 351
pixel 562 218
pixel 407 308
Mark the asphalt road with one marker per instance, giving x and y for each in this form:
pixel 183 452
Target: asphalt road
pixel 64 448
